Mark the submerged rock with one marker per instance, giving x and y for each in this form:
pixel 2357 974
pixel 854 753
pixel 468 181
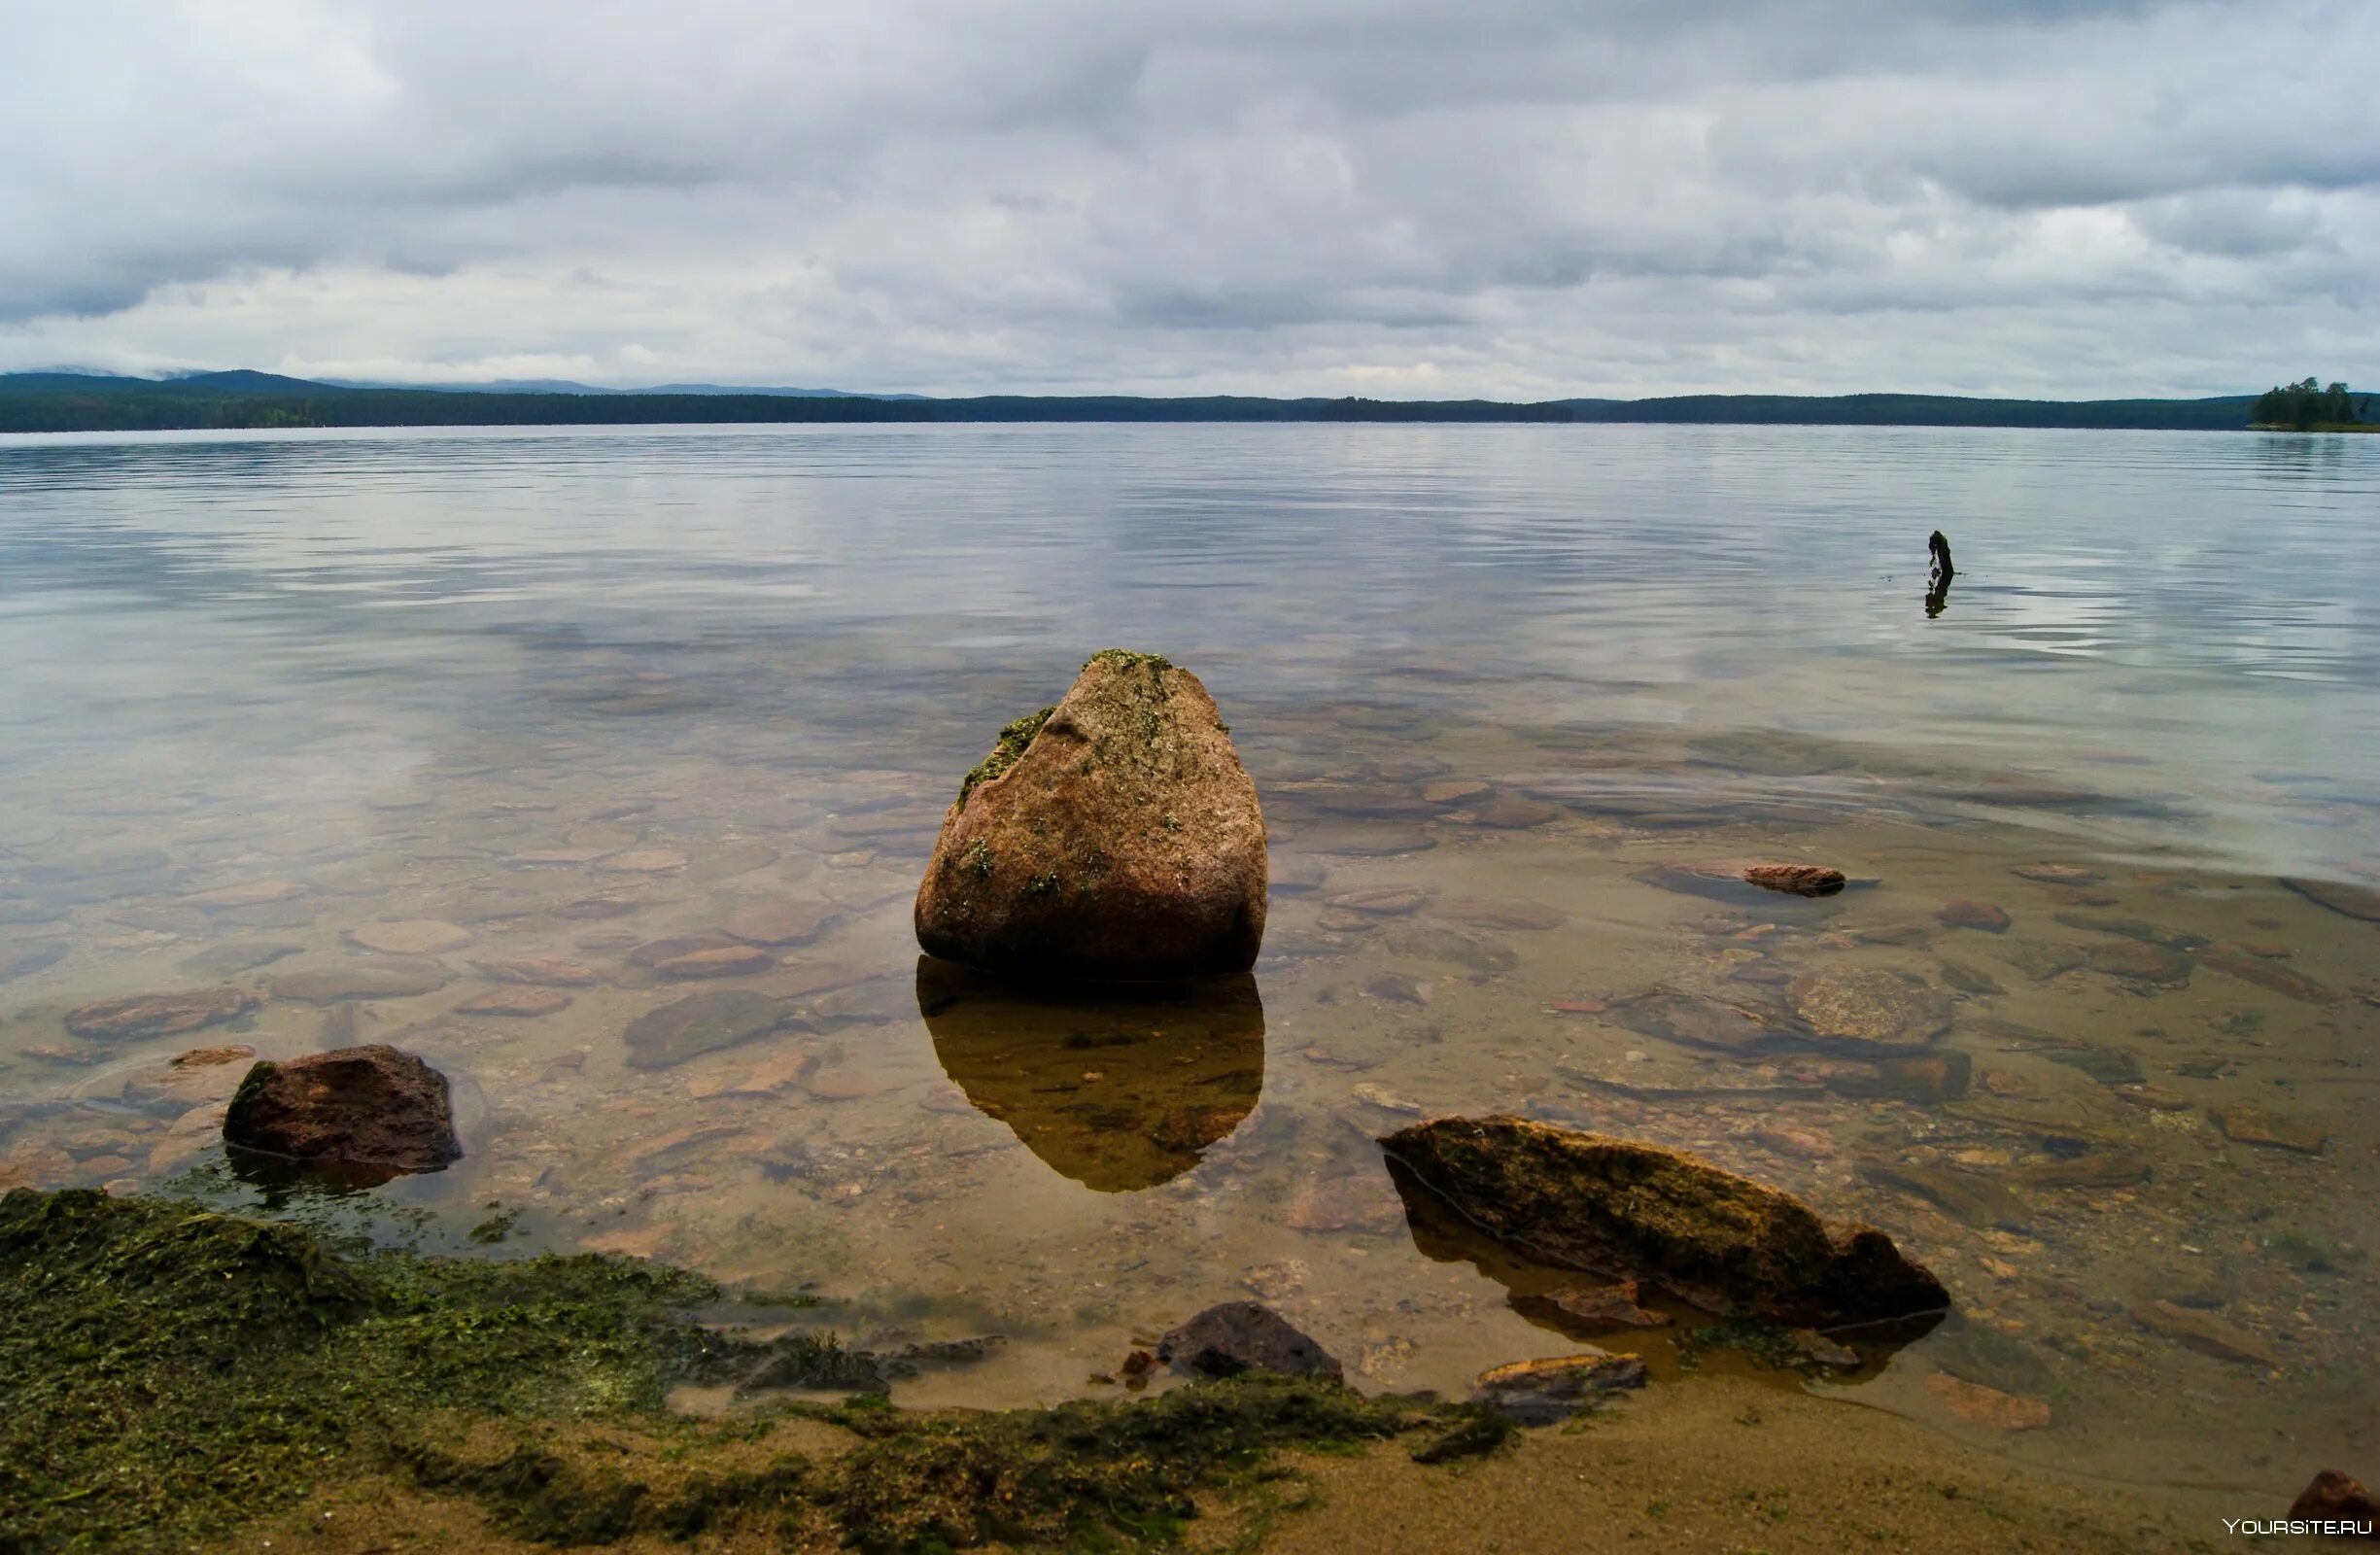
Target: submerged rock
pixel 1114 836
pixel 1862 1007
pixel 1968 914
pixel 415 935
pixel 2331 1496
pixel 2355 901
pixel 373 1108
pixel 1621 1209
pixel 364 979
pixel 1606 1306
pixel 1237 1337
pixel 158 1015
pixel 704 1022
pixel 1538 1393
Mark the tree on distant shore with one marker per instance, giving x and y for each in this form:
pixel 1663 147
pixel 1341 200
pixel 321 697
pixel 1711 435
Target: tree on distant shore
pixel 2304 406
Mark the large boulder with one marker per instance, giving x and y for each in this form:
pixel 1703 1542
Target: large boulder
pixel 1113 836
pixel 1623 1210
pixel 370 1111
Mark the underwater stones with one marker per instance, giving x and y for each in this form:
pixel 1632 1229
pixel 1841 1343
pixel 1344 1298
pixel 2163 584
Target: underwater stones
pixel 372 1108
pixel 1863 1007
pixel 718 961
pixel 1980 1405
pixel 2059 874
pixel 234 956
pixel 2041 959
pixel 23 960
pixel 539 971
pixel 1237 1337
pixel 1452 790
pixel 1966 914
pixel 421 936
pixel 230 898
pixel 2265 975
pixel 1606 1306
pixel 1970 979
pixel 2254 1125
pixel 2136 961
pixel 1969 1198
pixel 704 1022
pixel 1510 813
pixel 2355 901
pixel 1621 1209
pixel 780 922
pixel 518 1001
pixel 2132 928
pixel 188 1079
pixel 1698 1022
pixel 1538 1393
pixel 158 1015
pixel 2096 1170
pixel 1924 1078
pixel 1796 879
pixel 643 862
pixel 364 979
pixel 1379 901
pixel 1117 837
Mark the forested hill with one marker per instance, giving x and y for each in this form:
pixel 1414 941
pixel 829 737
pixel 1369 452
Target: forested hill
pixel 64 401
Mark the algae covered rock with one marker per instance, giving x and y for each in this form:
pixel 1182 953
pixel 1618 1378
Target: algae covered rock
pixel 1113 836
pixel 1237 1337
pixel 370 1111
pixel 1624 1210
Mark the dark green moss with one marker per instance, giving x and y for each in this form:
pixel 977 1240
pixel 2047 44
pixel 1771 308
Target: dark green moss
pixel 1157 664
pixel 1006 751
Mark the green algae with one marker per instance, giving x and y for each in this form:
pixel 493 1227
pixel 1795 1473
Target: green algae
pixel 168 1373
pixel 1006 750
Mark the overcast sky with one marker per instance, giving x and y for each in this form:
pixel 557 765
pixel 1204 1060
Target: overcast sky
pixel 1517 198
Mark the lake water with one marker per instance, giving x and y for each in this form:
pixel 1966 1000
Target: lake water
pixel 1507 694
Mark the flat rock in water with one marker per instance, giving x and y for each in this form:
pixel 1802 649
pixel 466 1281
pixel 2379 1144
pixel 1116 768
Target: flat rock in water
pixel 652 953
pixel 1114 836
pixel 373 1108
pixel 2106 1168
pixel 1920 1077
pixel 2134 961
pixel 23 960
pixel 1970 1198
pixel 234 956
pixel 364 979
pixel 191 1078
pixel 1980 1405
pixel 2132 928
pixel 516 1000
pixel 1538 1393
pixel 1504 914
pixel 1624 1210
pixel 1796 879
pixel 1700 1023
pixel 643 862
pixel 258 894
pixel 2254 1125
pixel 419 936
pixel 1965 914
pixel 704 1022
pixel 2205 1333
pixel 779 922
pixel 2041 959
pixel 1511 812
pixel 541 971
pixel 722 961
pixel 2356 901
pixel 2059 874
pixel 1606 1306
pixel 1867 1008
pixel 2265 975
pixel 1380 901
pixel 1237 1337
pixel 158 1015
pixel 1457 948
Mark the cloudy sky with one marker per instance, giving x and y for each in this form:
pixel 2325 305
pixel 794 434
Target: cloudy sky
pixel 1519 198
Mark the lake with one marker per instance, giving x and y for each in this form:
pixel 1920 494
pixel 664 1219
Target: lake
pixel 1518 700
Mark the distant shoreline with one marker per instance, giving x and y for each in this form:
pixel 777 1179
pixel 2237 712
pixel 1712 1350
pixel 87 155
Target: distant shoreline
pixel 57 402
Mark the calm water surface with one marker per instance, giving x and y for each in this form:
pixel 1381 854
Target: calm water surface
pixel 1507 693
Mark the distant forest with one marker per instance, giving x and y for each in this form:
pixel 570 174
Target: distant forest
pixel 61 401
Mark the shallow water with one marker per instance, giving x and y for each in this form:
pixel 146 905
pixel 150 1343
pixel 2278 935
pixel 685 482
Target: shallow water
pixel 585 693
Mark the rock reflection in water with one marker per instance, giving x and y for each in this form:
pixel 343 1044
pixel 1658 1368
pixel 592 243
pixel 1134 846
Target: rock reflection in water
pixel 1118 1088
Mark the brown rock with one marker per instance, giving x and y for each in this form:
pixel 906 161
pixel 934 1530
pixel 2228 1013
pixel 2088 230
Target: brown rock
pixel 1237 1337
pixel 1798 880
pixel 2254 1125
pixel 2264 974
pixel 1379 901
pixel 2331 1496
pixel 724 962
pixel 2134 962
pixel 1965 914
pixel 517 1000
pixel 373 1108
pixel 1446 793
pixel 1538 1393
pixel 1980 1405
pixel 1626 1210
pixel 2205 1332
pixel 158 1015
pixel 420 936
pixel 2059 874
pixel 1608 1306
pixel 2356 901
pixel 1115 837
pixel 780 922
pixel 540 971
pixel 1863 1007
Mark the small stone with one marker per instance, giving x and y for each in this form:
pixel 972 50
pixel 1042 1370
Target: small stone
pixel 158 1015
pixel 516 1000
pixel 2205 1333
pixel 421 936
pixel 2155 1097
pixel 2254 1125
pixel 1967 913
pixel 2059 874
pixel 1380 901
pixel 1446 793
pixel 1395 987
pixel 1608 1306
pixel 1797 879
pixel 1970 980
pixel 1237 1337
pixel 779 922
pixel 1980 1405
pixel 1386 1101
pixel 540 971
pixel 726 961
pixel 643 862
pixel 188 1079
pixel 1538 1393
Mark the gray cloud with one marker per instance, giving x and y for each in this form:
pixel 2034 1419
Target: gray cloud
pixel 1526 198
